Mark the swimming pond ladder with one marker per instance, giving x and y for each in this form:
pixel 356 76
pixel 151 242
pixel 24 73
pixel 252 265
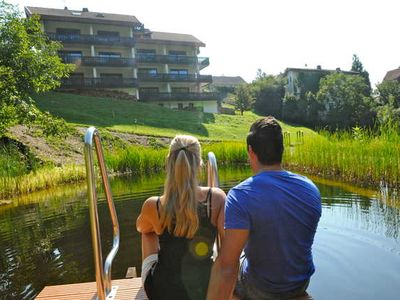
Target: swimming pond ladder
pixel 103 275
pixel 105 290
pixel 213 181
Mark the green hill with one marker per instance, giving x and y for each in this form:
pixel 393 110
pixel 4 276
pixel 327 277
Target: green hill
pixel 148 119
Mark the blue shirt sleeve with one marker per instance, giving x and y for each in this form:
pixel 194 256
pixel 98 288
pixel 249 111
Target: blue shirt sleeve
pixel 236 216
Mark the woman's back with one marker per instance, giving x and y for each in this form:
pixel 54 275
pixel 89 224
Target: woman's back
pixel 179 228
pixel 184 265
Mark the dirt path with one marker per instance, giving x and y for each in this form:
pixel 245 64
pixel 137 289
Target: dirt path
pixel 70 149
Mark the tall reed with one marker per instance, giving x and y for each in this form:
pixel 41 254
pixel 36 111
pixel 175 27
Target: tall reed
pixel 367 157
pixel 11 186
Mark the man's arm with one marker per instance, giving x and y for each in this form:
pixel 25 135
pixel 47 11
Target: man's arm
pixel 224 272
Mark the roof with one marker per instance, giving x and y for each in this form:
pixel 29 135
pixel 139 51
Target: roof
pixel 319 70
pixel 80 15
pixel 169 37
pixel 228 81
pixel 392 75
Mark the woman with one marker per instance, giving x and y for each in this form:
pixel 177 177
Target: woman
pixel 179 228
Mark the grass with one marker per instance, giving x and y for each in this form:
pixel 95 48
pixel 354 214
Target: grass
pixel 138 159
pixel 361 156
pixel 148 119
pixel 40 179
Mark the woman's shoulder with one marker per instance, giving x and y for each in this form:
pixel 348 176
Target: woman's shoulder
pixel 217 194
pixel 150 203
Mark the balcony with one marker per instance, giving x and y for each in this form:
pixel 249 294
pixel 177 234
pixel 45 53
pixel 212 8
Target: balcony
pixel 91 39
pixel 173 59
pixel 98 83
pixel 170 77
pixel 148 97
pixel 98 61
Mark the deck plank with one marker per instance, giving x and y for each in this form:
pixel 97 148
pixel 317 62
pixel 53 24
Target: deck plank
pixel 130 288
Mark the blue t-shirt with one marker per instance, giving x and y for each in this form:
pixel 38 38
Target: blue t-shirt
pixel 281 210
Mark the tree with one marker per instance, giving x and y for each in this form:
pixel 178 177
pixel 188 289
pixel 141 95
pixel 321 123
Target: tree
pixel 243 98
pixel 344 102
pixel 388 97
pixel 28 64
pixel 269 91
pixel 389 89
pixel 357 66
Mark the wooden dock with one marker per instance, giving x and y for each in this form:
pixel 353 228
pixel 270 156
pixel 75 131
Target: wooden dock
pixel 130 288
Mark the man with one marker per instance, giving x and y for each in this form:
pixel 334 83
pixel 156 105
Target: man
pixel 273 216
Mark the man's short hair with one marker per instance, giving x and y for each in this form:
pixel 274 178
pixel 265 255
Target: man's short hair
pixel 266 140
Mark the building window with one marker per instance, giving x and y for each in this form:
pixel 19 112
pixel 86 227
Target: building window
pixel 146 55
pixel 70 53
pixel 110 75
pixel 70 57
pixel 178 73
pixel 175 52
pixel 76 79
pixel 180 90
pixel 109 54
pixel 147 72
pixel 108 33
pixel 68 31
pixel 180 106
pixel 146 51
pixel 148 90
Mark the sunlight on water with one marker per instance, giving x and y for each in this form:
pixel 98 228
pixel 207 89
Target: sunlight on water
pixel 45 238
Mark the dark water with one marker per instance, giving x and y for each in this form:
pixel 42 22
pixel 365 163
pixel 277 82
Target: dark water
pixel 45 239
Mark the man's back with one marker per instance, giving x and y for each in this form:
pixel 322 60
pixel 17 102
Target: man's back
pixel 281 210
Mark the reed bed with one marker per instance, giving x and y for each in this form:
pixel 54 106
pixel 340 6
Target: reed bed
pixel 138 159
pixel 40 179
pixel 366 157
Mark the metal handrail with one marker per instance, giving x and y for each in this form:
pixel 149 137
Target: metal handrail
pixel 213 181
pixel 212 170
pixel 103 275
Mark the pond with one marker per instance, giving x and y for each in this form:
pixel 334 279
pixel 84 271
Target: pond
pixel 45 239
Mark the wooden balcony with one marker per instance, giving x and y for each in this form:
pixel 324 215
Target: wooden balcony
pixel 98 61
pixel 98 83
pixel 91 39
pixel 148 97
pixel 172 59
pixel 171 77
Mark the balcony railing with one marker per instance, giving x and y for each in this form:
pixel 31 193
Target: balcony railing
pixel 93 83
pixel 178 96
pixel 98 61
pixel 172 59
pixel 168 77
pixel 91 39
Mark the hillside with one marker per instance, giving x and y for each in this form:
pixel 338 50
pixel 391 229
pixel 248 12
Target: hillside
pixel 146 119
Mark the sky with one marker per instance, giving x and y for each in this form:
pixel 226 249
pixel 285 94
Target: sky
pixel 244 36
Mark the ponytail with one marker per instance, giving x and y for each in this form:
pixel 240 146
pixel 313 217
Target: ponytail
pixel 179 212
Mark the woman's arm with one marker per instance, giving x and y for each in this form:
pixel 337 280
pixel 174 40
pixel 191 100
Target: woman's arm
pixel 147 222
pixel 219 204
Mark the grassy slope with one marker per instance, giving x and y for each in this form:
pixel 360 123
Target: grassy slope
pixel 147 119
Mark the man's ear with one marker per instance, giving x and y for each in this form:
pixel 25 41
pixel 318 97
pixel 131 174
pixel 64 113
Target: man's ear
pixel 252 155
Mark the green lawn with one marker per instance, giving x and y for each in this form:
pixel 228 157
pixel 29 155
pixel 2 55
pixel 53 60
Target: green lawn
pixel 148 119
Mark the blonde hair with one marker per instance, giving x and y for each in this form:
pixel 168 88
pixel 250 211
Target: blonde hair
pixel 178 214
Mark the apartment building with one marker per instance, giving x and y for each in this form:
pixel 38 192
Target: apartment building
pixel 307 80
pixel 116 52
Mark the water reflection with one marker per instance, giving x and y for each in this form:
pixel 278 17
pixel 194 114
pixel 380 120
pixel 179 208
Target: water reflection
pixel 45 238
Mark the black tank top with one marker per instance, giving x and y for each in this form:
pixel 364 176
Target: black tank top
pixel 184 265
